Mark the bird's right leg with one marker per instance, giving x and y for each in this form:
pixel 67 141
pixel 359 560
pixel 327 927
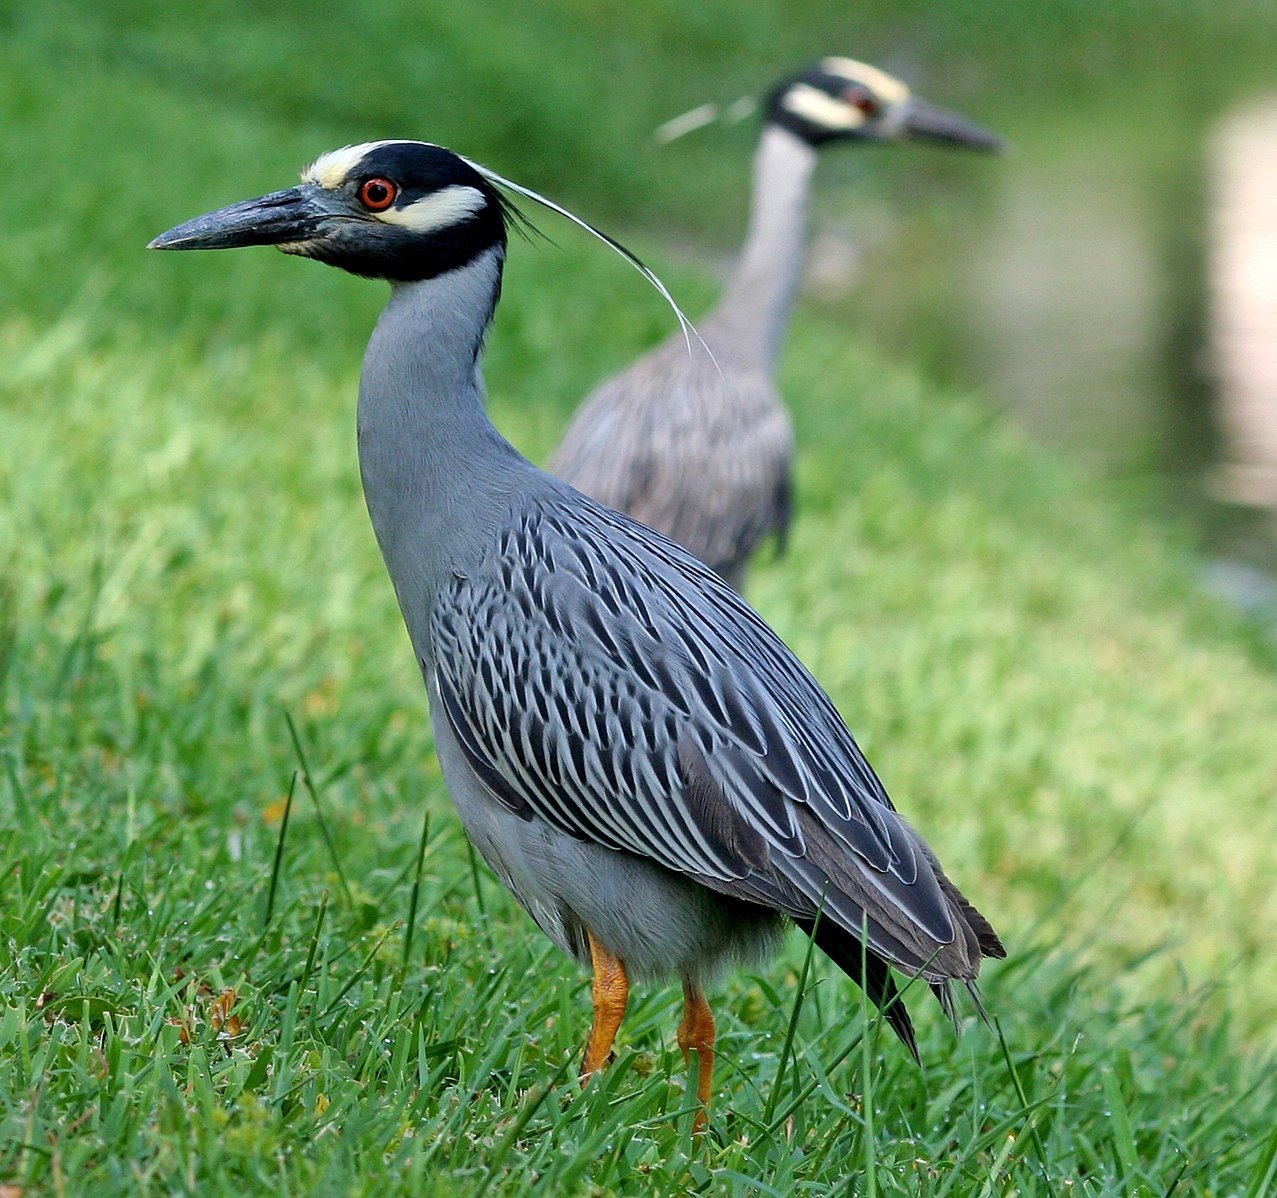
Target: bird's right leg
pixel 696 1035
pixel 610 992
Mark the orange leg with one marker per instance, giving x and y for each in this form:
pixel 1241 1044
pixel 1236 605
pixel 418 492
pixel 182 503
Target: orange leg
pixel 610 992
pixel 696 1035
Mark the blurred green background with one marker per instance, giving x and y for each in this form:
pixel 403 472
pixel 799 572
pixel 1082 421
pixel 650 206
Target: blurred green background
pixel 1007 425
pixel 1068 284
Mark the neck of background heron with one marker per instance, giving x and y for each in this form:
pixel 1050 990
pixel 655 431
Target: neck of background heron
pixel 754 310
pixel 436 473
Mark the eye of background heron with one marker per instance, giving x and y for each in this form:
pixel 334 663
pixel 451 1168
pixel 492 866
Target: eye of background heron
pixel 862 99
pixel 377 194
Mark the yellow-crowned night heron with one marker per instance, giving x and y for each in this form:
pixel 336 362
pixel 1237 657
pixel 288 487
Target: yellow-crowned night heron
pixel 699 446
pixel 649 769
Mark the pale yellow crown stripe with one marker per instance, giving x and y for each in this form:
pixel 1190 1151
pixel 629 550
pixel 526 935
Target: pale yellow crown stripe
pixel 886 87
pixel 330 170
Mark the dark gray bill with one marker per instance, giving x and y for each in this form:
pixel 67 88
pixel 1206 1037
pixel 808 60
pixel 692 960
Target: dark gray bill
pixel 930 123
pixel 282 216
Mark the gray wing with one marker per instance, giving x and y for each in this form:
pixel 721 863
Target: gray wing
pixel 599 678
pixel 699 453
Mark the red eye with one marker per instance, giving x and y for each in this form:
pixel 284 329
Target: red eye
pixel 377 194
pixel 860 98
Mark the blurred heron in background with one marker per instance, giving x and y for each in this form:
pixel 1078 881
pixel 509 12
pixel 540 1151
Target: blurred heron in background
pixel 699 446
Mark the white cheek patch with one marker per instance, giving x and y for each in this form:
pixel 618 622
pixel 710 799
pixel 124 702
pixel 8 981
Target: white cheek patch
pixel 886 87
pixel 439 210
pixel 820 108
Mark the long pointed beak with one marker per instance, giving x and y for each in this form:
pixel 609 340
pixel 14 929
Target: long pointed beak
pixel 929 123
pixel 282 216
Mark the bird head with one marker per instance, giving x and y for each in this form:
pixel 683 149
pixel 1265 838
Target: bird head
pixel 399 210
pixel 839 99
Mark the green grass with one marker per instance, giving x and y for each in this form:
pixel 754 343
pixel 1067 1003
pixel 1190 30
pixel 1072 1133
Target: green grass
pixel 193 1001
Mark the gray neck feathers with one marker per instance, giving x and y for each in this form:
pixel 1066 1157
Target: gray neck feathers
pixel 752 315
pixel 437 475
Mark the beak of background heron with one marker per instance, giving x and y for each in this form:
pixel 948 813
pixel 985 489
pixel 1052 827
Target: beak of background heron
pixel 282 216
pixel 929 123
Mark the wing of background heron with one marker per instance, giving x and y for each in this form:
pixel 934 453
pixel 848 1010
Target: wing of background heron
pixel 631 699
pixel 701 454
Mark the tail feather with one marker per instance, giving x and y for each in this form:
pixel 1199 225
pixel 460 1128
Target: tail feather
pixel 872 972
pixel 869 971
pixel 988 940
pixel 944 996
pixel 973 992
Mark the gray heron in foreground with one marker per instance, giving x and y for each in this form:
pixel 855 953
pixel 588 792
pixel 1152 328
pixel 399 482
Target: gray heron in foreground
pixel 654 775
pixel 699 446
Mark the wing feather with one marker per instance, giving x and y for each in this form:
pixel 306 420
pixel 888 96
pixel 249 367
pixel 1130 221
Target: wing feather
pixel 599 678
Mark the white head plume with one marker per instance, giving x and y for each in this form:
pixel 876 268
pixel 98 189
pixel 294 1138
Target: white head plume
pixel 689 329
pixel 705 114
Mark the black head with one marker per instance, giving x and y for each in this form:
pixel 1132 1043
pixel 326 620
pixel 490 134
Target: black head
pixel 840 99
pixel 400 210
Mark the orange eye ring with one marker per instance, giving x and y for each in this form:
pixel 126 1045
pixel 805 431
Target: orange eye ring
pixel 377 194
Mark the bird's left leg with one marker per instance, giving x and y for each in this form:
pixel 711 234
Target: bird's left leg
pixel 610 992
pixel 696 1035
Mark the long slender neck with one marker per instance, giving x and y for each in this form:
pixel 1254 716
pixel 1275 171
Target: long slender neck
pixel 754 309
pixel 437 475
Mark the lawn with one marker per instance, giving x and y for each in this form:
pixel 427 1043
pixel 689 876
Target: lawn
pixel 242 943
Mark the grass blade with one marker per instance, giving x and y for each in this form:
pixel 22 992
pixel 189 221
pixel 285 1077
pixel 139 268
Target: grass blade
pixel 536 1096
pixel 313 950
pixel 1264 1180
pixel 1030 1108
pixel 359 973
pixel 416 891
pixel 1123 1135
pixel 867 1067
pixel 279 852
pixel 787 1048
pixel 319 811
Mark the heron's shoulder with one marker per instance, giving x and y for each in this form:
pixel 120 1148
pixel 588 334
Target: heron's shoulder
pixel 557 528
pixel 558 542
pixel 577 563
